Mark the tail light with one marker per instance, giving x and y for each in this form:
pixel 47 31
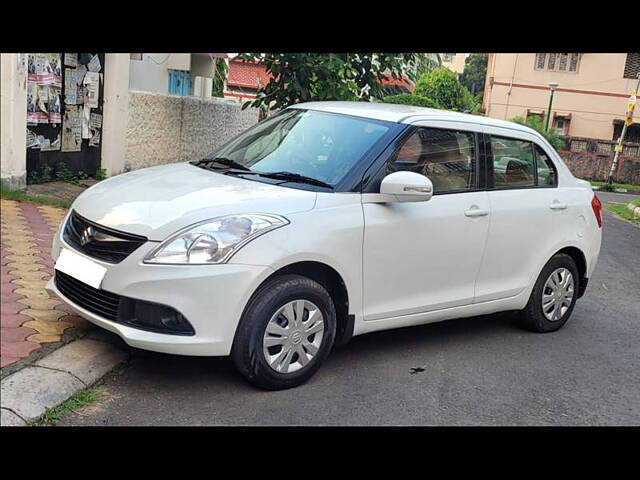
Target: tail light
pixel 597 209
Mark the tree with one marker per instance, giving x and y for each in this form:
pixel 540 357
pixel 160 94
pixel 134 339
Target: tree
pixel 442 86
pixel 475 73
pixel 408 99
pixel 219 78
pixel 536 123
pixel 304 77
pixel 424 62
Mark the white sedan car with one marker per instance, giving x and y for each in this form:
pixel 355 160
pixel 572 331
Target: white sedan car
pixel 326 221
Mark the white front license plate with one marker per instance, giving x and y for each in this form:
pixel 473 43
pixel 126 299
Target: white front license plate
pixel 80 268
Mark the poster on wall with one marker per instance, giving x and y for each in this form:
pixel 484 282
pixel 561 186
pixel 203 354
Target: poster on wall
pixel 56 69
pixel 95 121
pixel 32 106
pixel 42 99
pixel 32 139
pixel 94 64
pixel 91 89
pixel 71 60
pixel 71 129
pixel 70 86
pixel 80 73
pixel 86 115
pixel 54 105
pixel 95 139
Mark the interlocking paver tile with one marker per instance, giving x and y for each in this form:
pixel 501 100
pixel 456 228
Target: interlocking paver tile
pixel 26 266
pixel 48 327
pixel 43 315
pixel 15 334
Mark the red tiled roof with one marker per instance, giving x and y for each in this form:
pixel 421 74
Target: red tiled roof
pixel 247 74
pixel 399 82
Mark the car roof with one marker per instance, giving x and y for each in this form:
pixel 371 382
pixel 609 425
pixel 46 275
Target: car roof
pixel 405 113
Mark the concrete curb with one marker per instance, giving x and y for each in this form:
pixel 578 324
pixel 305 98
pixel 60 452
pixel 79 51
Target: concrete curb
pixel 28 393
pixel 635 210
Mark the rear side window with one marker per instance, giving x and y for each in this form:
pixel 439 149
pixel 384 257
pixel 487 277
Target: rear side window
pixel 446 157
pixel 513 163
pixel 547 174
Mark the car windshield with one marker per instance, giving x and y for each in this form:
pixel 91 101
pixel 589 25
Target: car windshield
pixel 322 146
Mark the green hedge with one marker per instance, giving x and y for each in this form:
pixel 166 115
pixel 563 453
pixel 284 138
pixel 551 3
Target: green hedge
pixel 408 99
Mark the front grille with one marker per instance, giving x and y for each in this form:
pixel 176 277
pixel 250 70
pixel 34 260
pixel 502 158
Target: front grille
pixel 100 242
pixel 140 314
pixel 100 302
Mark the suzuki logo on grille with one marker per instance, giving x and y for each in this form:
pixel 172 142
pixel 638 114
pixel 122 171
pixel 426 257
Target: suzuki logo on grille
pixel 87 235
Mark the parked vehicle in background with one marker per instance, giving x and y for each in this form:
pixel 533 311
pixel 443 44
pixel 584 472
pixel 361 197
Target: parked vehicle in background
pixel 326 221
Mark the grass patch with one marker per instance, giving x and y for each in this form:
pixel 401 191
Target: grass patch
pixel 19 196
pixel 621 210
pixel 628 186
pixel 78 400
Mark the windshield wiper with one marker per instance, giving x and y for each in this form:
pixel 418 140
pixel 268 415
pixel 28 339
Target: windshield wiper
pixel 224 162
pixel 288 176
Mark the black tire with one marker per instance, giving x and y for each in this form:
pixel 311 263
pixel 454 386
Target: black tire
pixel 247 351
pixel 532 317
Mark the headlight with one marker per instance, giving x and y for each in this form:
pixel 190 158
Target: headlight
pixel 215 240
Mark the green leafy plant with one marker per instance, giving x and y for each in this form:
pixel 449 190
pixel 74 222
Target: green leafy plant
pixel 408 99
pixel 537 124
pixel 474 74
pixel 100 174
pixel 82 175
pixel 442 86
pixel 217 89
pixel 303 77
pixel 63 174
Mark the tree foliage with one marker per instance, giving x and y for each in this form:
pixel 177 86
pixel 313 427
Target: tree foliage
pixel 408 99
pixel 304 77
pixel 217 89
pixel 475 72
pixel 442 86
pixel 536 123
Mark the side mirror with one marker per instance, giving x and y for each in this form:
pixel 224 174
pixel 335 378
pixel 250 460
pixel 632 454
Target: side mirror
pixel 406 187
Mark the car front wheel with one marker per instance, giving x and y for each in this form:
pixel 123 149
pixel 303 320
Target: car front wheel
pixel 286 332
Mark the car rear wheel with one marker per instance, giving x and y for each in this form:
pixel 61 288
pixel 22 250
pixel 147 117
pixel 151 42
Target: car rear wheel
pixel 554 295
pixel 286 332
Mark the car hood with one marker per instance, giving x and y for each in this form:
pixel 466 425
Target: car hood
pixel 158 201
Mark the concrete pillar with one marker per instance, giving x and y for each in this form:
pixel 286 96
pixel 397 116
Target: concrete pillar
pixel 13 122
pixel 116 112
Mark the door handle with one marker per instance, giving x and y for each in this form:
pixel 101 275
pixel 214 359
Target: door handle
pixel 558 206
pixel 476 212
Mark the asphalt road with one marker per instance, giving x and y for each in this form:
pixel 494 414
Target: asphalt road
pixel 475 371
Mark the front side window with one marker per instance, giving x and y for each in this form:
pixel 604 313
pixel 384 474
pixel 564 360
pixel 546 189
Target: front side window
pixel 446 157
pixel 513 163
pixel 323 146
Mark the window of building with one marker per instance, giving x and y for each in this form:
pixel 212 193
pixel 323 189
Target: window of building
pixel 632 135
pixel 513 162
pixel 447 157
pixel 632 65
pixel 561 123
pixel 559 62
pixel 135 56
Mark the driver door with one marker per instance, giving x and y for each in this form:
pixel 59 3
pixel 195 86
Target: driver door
pixel 425 256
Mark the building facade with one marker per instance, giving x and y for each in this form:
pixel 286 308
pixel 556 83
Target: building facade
pixel 589 101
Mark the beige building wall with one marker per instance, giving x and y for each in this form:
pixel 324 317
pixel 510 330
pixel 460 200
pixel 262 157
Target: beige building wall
pixel 456 63
pixel 13 121
pixel 595 95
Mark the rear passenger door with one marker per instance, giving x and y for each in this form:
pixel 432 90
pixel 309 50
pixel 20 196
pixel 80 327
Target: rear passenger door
pixel 528 212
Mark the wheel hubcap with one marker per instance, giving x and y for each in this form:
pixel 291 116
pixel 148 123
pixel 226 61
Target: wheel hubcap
pixel 557 294
pixel 293 336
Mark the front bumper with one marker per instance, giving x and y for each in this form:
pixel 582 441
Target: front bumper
pixel 211 297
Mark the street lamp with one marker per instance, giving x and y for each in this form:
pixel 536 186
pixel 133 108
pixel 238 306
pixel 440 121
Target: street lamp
pixel 552 86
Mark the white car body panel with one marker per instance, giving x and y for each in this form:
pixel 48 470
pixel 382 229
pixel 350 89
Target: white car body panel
pixel 402 263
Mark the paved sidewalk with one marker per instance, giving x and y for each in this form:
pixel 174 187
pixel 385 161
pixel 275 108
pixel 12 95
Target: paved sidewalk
pixel 30 318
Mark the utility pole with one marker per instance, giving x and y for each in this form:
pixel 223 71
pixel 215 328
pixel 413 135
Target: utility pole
pixel 552 86
pixel 627 122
